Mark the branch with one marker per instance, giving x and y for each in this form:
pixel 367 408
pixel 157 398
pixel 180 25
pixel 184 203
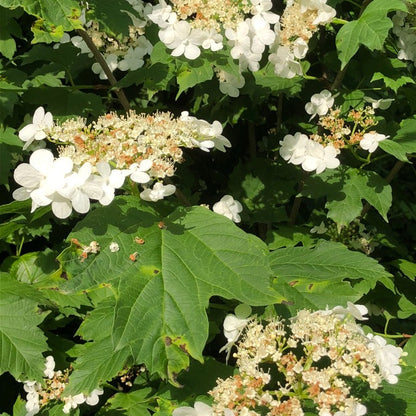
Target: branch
pixel 100 59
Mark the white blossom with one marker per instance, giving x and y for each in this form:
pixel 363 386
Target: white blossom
pixel 49 367
pixel 36 130
pixel 230 84
pixel 292 148
pixel 114 247
pixel 81 186
pixel 184 40
pixel 262 8
pixel 285 64
pixel 138 171
pixel 112 62
pixel 92 399
pixel 79 43
pixel 32 388
pixel 212 40
pixel 387 357
pixel 382 103
pixel 353 409
pixel 228 207
pixel 158 192
pixel 320 103
pixel 159 13
pixel 199 409
pixel 371 140
pixel 112 179
pixel 300 150
pixel 42 180
pixel 233 326
pixel 133 59
pixel 319 157
pixel 356 311
pixel 72 402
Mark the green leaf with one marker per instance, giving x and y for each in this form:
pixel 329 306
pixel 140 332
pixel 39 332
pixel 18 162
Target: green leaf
pixel 97 362
pixel 345 188
pixel 263 186
pixel 8 28
pixel 394 399
pixel 371 29
pixel 404 142
pixel 33 267
pixel 192 73
pixel 113 16
pixel 56 12
pixel 406 267
pixel 307 275
pixel 129 404
pixel 19 407
pixel 66 102
pixel 410 349
pixel 267 78
pixel 289 236
pixel 195 255
pixel 21 341
pixel 9 144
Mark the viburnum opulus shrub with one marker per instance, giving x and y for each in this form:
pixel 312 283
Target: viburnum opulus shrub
pixel 200 200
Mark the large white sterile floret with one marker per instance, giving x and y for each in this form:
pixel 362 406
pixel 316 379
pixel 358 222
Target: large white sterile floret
pixel 42 179
pixel 387 357
pixel 41 122
pixel 300 150
pixel 158 192
pixel 371 140
pixel 228 207
pixel 199 409
pixel 320 104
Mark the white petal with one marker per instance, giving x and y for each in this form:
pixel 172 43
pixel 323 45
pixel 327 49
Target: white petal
pixel 62 208
pixel 140 177
pixel 38 115
pixel 42 160
pixel 21 194
pixel 117 178
pixel 104 169
pixel 63 165
pixel 27 132
pixel 145 164
pixel 27 176
pixel 39 198
pixel 80 202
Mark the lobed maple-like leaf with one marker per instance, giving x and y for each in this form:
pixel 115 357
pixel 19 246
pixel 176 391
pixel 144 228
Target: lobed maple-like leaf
pixel 162 278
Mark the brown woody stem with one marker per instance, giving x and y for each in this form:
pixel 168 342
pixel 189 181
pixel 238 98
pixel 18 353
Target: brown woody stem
pixel 100 59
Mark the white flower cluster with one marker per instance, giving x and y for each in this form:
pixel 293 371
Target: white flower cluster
pixel 294 351
pixel 319 151
pixel 246 28
pixel 39 395
pixel 228 207
pixel 234 325
pixel 311 155
pixel 404 29
pixel 142 147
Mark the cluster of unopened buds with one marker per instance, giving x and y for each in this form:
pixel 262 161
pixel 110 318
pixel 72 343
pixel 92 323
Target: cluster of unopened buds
pixel 53 387
pixel 319 151
pixel 305 365
pixel 95 159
